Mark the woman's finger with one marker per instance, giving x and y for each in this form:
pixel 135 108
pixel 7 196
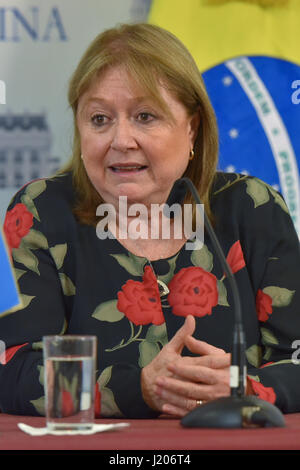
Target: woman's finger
pixel 158 366
pixel 170 389
pixel 213 362
pixel 183 403
pixel 201 347
pixel 197 374
pixel 174 411
pixel 176 344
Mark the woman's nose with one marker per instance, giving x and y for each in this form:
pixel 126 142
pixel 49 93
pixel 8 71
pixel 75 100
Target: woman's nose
pixel 123 138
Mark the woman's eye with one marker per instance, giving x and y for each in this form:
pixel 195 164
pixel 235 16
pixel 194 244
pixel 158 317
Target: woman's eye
pixel 145 117
pixel 99 119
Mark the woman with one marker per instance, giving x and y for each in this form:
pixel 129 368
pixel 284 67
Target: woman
pixel 163 314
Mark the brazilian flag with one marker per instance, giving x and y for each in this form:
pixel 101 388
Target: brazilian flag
pixel 249 54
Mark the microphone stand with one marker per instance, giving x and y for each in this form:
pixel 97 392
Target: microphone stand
pixel 237 410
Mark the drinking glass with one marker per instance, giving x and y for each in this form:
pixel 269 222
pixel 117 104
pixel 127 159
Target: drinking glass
pixel 69 368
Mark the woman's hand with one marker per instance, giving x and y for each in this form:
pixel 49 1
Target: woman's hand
pixel 191 379
pixel 160 366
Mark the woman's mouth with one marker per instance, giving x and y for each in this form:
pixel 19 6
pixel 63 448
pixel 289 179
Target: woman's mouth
pixel 128 169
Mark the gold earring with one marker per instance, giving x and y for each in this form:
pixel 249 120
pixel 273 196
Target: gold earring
pixel 192 154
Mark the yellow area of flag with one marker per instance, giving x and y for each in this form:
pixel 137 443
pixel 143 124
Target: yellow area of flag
pixel 217 30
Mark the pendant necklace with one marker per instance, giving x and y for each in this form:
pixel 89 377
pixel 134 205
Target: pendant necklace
pixel 162 287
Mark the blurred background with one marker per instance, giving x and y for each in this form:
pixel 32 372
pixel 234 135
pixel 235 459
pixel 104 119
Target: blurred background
pixel 247 51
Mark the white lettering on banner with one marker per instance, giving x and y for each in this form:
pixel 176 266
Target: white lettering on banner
pixel 14 22
pixel 2 92
pixel 275 131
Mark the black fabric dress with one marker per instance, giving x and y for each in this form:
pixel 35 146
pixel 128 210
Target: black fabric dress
pixel 73 282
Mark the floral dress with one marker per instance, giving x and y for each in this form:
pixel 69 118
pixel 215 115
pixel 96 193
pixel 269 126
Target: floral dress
pixel 71 282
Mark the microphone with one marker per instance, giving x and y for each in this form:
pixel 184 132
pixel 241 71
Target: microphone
pixel 237 410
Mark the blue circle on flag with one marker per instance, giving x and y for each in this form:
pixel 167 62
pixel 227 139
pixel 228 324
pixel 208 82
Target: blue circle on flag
pixel 245 146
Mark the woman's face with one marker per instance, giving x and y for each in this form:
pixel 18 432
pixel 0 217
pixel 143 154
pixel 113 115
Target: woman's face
pixel 129 146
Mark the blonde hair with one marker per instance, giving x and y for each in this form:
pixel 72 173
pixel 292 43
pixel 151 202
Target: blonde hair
pixel 150 55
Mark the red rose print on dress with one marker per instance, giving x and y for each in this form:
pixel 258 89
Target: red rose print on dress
pixel 140 301
pixel 193 291
pixel 9 353
pixel 97 401
pixel 18 222
pixel 235 257
pixel 266 365
pixel 263 305
pixel 264 393
pixel 67 405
